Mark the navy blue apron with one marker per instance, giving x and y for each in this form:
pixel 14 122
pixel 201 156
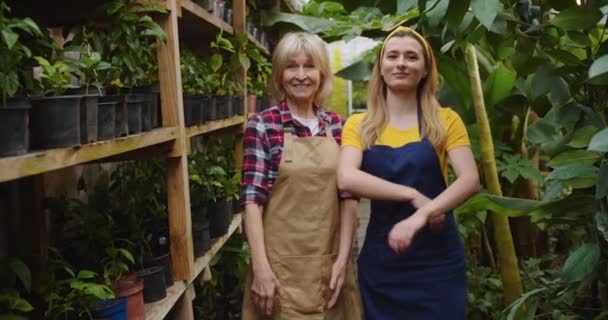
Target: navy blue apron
pixel 428 281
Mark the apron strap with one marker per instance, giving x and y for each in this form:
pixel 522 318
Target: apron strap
pixel 287 141
pixel 419 115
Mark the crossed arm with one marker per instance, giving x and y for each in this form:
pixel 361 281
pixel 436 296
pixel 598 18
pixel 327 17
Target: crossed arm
pixel 355 181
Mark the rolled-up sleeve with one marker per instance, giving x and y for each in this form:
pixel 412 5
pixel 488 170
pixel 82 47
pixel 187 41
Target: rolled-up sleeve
pixel 256 163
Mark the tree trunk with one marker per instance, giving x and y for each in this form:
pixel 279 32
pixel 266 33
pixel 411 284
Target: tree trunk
pixel 507 260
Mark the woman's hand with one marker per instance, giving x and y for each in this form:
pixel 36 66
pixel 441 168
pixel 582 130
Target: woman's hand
pixel 338 272
pixel 436 221
pixel 264 288
pixel 401 236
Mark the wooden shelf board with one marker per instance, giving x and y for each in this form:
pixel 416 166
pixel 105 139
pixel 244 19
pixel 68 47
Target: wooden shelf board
pixel 255 41
pixel 202 262
pixel 158 310
pixel 193 9
pixel 47 160
pixel 214 125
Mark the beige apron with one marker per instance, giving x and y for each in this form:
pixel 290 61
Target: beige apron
pixel 301 234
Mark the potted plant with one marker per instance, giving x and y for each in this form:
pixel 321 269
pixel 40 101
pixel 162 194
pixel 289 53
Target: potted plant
pixel 129 44
pixel 55 117
pixel 115 274
pixel 14 110
pixel 192 85
pixel 67 293
pixel 200 197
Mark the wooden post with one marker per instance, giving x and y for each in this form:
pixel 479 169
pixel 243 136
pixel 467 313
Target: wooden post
pixel 183 308
pixel 239 25
pixel 178 196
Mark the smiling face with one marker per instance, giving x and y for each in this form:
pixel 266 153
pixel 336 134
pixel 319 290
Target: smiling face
pixel 301 79
pixel 403 64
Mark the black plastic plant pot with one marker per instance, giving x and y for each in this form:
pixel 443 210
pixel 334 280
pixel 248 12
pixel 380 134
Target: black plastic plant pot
pixel 201 238
pixel 154 283
pixel 197 109
pixel 134 114
pixel 188 103
pixel 239 105
pixel 210 110
pixel 112 309
pixel 199 212
pixel 236 206
pixel 146 110
pixel 106 120
pixel 163 261
pixel 89 113
pixel 55 122
pixel 224 107
pixel 151 95
pixel 220 217
pixel 121 122
pixel 205 105
pixel 14 118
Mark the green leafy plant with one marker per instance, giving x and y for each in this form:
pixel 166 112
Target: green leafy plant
pixel 90 66
pixel 129 43
pixel 55 78
pixel 67 293
pixel 16 279
pixel 116 263
pixel 12 51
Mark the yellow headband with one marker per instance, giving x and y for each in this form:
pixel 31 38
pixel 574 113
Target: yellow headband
pixel 420 38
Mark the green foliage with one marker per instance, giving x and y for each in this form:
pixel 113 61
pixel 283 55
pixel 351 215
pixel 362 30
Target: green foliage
pixel 512 167
pixel 129 43
pixel 13 51
pixel 116 263
pixel 16 281
pixel 55 77
pixel 221 297
pixel 90 67
pixel 484 293
pixel 67 293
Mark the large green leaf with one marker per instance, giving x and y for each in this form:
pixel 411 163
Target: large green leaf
pixel 405 5
pixel 601 222
pixel 508 206
pixel 573 170
pixel 582 137
pixel 22 272
pixel 599 142
pixel 456 12
pixel 577 18
pixel 359 70
pixel 601 190
pixel 541 131
pixel 485 11
pixel 598 72
pixel 456 78
pixel 516 305
pixel 581 263
pixel 436 14
pixel 499 85
pixel 574 156
pixel 306 23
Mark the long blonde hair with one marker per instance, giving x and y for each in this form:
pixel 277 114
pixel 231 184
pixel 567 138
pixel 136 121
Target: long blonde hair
pixel 314 47
pixel 377 118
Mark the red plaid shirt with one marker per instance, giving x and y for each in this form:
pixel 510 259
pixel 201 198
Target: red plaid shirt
pixel 263 147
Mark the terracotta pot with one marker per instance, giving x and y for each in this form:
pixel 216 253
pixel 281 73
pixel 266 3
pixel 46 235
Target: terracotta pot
pixel 132 288
pixel 251 103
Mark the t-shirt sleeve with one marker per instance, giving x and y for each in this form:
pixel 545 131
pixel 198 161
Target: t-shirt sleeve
pixel 457 135
pixel 350 133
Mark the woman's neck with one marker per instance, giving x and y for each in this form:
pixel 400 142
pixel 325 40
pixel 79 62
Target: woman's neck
pixel 302 110
pixel 401 104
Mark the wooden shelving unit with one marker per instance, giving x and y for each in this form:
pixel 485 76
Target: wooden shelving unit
pixel 214 126
pixel 184 19
pixel 253 40
pixel 48 160
pixel 159 309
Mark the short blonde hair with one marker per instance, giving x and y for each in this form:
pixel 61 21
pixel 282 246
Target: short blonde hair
pixel 292 44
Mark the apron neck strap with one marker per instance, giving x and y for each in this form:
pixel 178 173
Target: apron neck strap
pixel 419 115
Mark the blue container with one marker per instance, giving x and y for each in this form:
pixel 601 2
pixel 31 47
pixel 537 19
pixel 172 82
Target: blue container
pixel 113 309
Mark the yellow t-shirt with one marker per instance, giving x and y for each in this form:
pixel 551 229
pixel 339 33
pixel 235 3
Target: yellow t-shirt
pixel 456 135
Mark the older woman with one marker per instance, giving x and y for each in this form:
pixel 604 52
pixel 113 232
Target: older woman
pixel 412 264
pixel 299 230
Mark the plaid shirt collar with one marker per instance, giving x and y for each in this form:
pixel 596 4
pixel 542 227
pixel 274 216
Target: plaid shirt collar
pixel 287 118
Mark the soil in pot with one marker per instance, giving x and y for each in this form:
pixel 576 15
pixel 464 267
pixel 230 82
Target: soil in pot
pixel 106 119
pixel 131 287
pixel 55 122
pixel 154 283
pixel 14 118
pixel 112 309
